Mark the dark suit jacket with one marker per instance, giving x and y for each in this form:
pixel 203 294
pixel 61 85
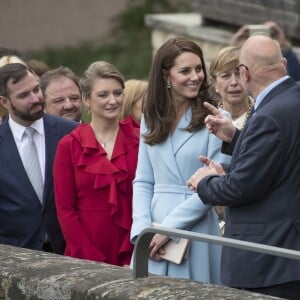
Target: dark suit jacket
pixel 23 219
pixel 262 190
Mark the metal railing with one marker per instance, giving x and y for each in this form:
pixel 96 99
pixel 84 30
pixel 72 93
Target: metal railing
pixel 141 249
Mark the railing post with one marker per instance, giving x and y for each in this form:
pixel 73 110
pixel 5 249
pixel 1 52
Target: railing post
pixel 141 254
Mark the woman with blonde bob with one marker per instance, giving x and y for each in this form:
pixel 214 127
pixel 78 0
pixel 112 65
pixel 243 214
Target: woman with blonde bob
pixel 225 77
pixel 134 93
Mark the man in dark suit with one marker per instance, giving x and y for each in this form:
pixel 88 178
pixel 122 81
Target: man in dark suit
pixel 27 220
pixel 261 186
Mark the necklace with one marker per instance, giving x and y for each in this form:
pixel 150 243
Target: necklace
pixel 240 124
pixel 101 140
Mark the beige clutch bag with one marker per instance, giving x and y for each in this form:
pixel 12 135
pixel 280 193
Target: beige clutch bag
pixel 175 251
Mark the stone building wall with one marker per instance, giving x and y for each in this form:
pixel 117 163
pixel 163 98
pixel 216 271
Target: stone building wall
pixel 37 24
pixel 191 25
pixel 239 12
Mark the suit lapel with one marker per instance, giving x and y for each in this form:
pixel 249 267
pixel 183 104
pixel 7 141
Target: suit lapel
pixel 11 157
pixel 51 140
pixel 286 84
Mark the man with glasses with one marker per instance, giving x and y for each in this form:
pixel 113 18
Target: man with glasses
pixel 261 186
pixel 276 32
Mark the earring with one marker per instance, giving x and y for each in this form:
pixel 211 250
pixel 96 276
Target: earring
pixel 168 84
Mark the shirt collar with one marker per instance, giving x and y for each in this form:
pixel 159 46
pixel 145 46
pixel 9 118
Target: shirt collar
pixel 264 92
pixel 18 130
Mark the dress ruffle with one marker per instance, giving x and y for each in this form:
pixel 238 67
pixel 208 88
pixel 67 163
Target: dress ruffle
pixel 112 174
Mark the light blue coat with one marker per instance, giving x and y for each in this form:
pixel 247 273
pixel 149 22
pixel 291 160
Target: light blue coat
pixel 160 195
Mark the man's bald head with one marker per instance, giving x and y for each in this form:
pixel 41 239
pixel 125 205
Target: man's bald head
pixel 264 61
pixel 261 51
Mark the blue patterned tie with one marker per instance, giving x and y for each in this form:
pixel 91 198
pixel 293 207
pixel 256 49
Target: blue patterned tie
pixel 31 163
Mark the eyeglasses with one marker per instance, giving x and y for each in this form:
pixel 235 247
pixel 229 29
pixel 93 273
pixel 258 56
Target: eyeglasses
pixel 241 65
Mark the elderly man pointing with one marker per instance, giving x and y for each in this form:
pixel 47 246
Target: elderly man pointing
pixel 261 186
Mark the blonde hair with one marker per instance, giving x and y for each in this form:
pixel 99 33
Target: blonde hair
pixel 226 60
pixel 39 67
pixel 11 59
pixel 135 90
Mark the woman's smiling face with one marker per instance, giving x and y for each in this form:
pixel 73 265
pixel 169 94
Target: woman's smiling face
pixel 186 76
pixel 106 100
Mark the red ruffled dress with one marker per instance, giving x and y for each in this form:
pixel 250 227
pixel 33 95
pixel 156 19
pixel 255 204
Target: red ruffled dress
pixel 94 195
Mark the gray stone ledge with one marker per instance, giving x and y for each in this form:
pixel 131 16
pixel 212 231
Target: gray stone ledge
pixel 33 275
pixel 190 25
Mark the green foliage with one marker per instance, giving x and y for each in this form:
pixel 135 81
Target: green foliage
pixel 130 48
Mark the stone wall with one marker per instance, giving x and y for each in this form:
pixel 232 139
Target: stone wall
pixel 210 38
pixel 35 275
pixel 165 26
pixel 240 12
pixel 38 24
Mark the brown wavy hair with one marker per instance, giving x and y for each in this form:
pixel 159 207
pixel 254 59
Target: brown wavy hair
pixel 159 107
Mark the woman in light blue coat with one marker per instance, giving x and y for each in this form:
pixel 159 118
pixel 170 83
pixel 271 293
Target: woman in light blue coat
pixel 173 136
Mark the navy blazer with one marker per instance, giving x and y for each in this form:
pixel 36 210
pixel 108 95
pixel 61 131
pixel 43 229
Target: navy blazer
pixel 262 192
pixel 23 219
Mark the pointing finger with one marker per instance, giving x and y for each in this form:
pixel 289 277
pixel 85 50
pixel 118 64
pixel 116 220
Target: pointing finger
pixel 213 109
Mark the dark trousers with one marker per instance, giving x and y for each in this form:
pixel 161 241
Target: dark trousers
pixel 288 290
pixel 47 247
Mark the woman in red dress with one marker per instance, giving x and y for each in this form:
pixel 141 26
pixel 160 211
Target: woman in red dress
pixel 93 172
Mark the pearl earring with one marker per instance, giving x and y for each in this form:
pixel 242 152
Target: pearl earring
pixel 168 84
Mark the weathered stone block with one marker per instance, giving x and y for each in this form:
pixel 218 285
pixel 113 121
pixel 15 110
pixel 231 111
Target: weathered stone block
pixel 35 275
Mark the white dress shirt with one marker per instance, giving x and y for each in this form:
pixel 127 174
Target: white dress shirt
pixel 39 139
